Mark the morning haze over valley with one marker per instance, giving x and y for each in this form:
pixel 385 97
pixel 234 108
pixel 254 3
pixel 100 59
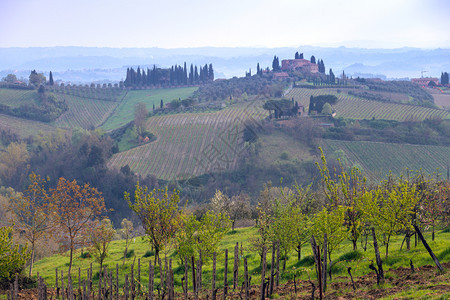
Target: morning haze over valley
pixel 224 149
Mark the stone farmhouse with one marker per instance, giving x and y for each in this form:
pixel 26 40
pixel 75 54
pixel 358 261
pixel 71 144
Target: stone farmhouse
pixel 425 80
pixel 303 64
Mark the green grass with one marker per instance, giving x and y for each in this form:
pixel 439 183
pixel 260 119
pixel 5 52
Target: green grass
pixel 124 113
pixel 359 260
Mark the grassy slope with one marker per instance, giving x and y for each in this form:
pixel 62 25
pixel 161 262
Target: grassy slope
pixel 24 128
pixel 378 159
pixel 191 143
pixel 16 97
pixel 84 112
pixel 46 267
pixel 124 113
pixel 356 108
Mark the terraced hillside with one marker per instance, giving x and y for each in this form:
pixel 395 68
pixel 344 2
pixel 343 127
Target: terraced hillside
pixel 17 97
pixel 84 112
pixel 22 127
pixel 191 144
pixel 125 111
pixel 378 159
pixel 356 108
pixel 365 109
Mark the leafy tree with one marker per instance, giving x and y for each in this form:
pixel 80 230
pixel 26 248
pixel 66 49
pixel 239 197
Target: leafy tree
pixel 140 115
pixel 30 213
pixel 12 257
pixel 159 214
pixel 73 207
pixel 201 235
pixel 14 156
pixel 10 78
pixel 37 79
pixel 101 233
pixel 326 110
pixel 390 211
pixel 239 208
pixel 330 221
pixel 127 233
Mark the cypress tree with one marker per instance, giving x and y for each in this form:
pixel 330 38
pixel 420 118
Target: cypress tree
pixel 50 80
pixel 161 105
pixel 185 77
pixel 195 74
pixel 301 56
pixel 313 59
pixel 211 72
pixel 191 74
pixel 138 76
pixel 296 55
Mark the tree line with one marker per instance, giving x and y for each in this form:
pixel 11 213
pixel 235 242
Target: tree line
pixel 175 75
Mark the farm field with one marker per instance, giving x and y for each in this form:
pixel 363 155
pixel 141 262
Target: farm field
pixel 365 109
pixel 356 108
pixel 23 127
pixel 17 97
pixel 378 159
pixel 191 144
pixel 124 113
pixel 83 112
pixel 343 257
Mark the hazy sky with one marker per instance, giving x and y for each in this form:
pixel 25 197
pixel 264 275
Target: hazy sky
pixel 235 23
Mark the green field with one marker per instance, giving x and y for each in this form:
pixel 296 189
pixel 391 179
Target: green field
pixel 23 127
pixel 191 144
pixel 124 113
pixel 303 269
pixel 83 112
pixel 17 97
pixel 378 159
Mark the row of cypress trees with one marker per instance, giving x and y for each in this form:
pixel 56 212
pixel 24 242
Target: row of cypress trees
pixel 175 75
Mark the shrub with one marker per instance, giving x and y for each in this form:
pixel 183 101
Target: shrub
pixel 149 253
pixel 130 253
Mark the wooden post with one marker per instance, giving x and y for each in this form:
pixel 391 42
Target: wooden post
pixel 165 272
pixel 171 280
pixel 84 297
pixel 278 265
pixel 186 275
pixel 213 284
pixel 139 275
pixel 88 285
pixel 324 268
pixel 199 272
pixel 377 255
pixel 56 280
pixel 125 287
pixel 62 284
pixel 194 278
pixel 69 287
pixel 161 275
pixel 100 285
pixel 236 267
pixel 132 285
pixel 246 283
pixel 90 277
pixel 79 278
pixel 424 242
pixel 151 272
pixel 111 286
pixel 272 269
pixel 319 267
pixel 225 279
pixel 117 282
pixel 263 273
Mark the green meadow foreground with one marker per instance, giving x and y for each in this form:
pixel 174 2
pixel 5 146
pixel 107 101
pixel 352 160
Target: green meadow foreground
pixel 304 269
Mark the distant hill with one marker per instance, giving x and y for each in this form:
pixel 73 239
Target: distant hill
pixel 84 64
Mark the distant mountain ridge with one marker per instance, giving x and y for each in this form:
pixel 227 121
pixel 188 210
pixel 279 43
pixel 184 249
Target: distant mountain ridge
pixel 86 64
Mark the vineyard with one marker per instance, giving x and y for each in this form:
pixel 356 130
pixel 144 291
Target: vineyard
pixel 16 97
pixel 84 113
pixel 22 127
pixel 365 109
pixel 378 159
pixel 124 113
pixel 356 108
pixel 191 144
pixel 106 94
